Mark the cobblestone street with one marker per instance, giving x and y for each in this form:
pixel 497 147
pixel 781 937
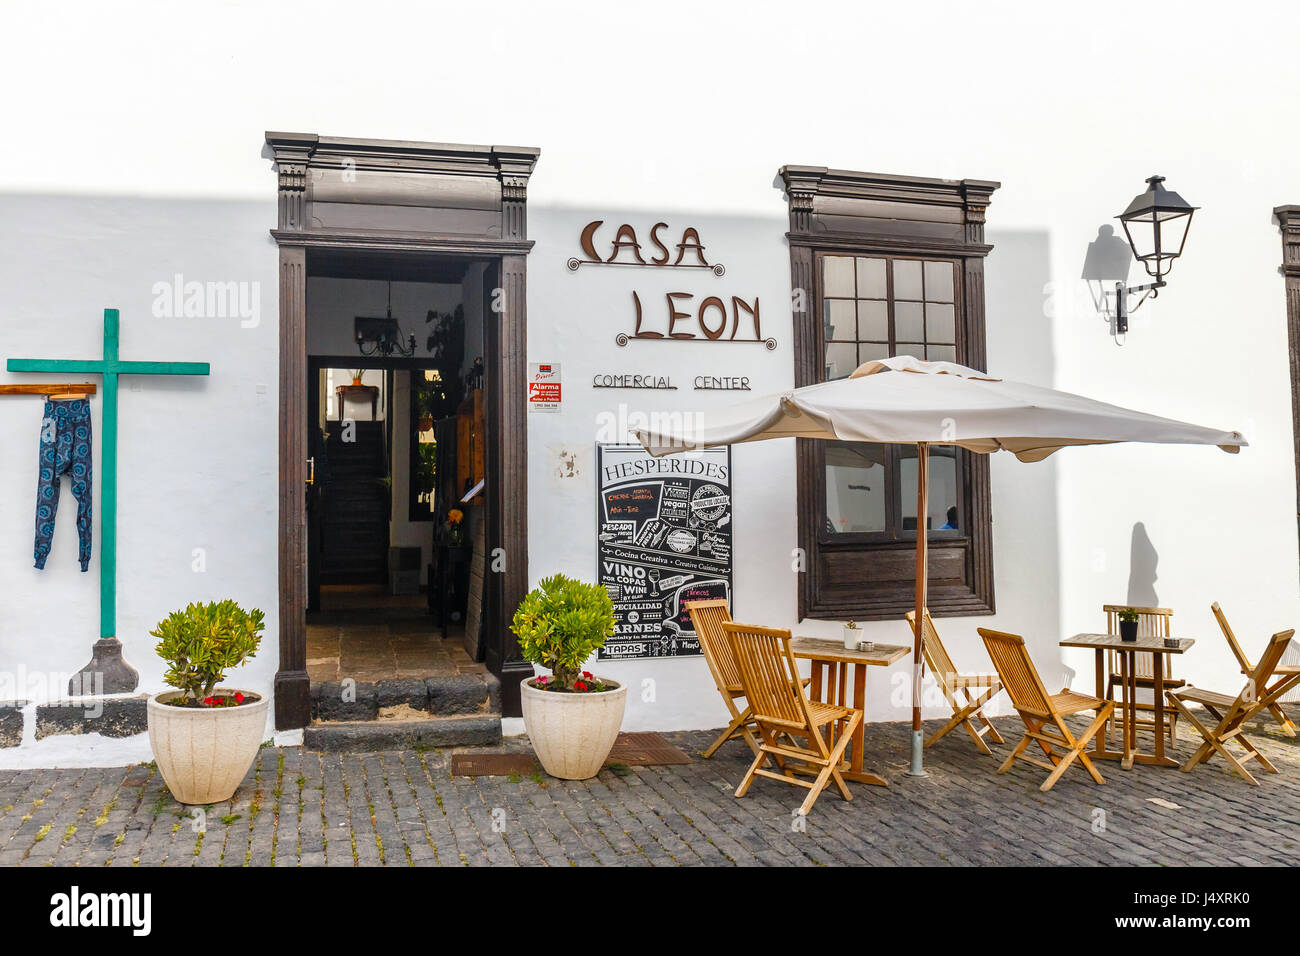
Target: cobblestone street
pixel 298 807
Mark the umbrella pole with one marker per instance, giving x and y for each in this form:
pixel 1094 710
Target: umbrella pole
pixel 922 584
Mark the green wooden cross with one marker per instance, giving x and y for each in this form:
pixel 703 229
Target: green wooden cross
pixel 110 366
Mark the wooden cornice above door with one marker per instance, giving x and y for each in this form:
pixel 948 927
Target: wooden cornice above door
pixel 394 194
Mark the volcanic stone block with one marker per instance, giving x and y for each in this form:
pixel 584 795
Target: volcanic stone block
pixel 493 684
pixel 339 700
pixel 11 722
pixel 397 691
pixel 109 716
pixel 457 694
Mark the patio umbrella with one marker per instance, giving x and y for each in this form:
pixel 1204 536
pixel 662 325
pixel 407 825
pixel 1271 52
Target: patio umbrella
pixel 904 400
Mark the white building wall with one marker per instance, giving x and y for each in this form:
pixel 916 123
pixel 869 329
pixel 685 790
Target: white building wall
pixel 149 162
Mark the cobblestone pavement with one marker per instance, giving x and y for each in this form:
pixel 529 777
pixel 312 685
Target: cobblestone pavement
pixel 403 809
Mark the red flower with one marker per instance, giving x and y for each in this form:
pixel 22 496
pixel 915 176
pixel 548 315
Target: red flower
pixel 239 698
pixel 579 685
pixel 587 674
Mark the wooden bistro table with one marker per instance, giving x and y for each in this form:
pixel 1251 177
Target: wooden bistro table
pixel 830 671
pixel 1150 644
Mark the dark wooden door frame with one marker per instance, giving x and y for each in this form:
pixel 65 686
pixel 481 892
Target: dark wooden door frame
pixel 402 198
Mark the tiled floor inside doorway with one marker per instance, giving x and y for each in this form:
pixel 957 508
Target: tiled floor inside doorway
pixel 367 635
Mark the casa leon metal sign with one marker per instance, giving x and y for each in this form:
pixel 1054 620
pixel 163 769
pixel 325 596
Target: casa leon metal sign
pixel 681 316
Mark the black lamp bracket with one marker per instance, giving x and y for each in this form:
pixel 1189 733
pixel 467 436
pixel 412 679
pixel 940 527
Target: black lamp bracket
pixel 1122 292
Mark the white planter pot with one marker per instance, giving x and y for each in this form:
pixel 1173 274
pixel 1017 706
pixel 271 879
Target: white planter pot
pixel 204 752
pixel 851 637
pixel 572 734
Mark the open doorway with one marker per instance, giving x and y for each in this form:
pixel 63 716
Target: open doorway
pixel 386 209
pixel 395 439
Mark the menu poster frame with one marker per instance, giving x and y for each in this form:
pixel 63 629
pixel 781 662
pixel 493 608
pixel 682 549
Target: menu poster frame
pixel 664 536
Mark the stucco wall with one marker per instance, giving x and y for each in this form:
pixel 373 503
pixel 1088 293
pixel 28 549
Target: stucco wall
pixel 95 208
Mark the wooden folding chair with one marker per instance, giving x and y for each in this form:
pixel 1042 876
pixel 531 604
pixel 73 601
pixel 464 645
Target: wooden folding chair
pixel 1153 622
pixel 968 707
pixel 708 617
pixel 1043 712
pixel 1282 670
pixel 781 708
pixel 1233 712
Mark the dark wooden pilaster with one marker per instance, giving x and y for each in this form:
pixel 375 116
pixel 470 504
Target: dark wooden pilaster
pixel 292 697
pixel 1288 218
pixel 507 351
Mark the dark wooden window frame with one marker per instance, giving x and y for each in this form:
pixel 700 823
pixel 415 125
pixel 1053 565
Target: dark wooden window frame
pixel 398 198
pixel 1288 218
pixel 855 213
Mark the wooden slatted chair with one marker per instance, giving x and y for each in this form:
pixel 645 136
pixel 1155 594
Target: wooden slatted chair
pixel 1282 670
pixel 1233 712
pixel 1153 622
pixel 1043 713
pixel 708 617
pixel 781 708
pixel 963 691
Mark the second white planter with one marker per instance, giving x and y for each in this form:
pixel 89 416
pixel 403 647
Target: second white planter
pixel 572 734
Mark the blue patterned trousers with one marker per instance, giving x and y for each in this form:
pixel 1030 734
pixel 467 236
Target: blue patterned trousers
pixel 65 449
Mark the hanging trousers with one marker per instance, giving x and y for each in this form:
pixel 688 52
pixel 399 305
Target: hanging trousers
pixel 65 450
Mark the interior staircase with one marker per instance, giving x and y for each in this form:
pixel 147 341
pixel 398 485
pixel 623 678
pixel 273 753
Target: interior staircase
pixel 355 507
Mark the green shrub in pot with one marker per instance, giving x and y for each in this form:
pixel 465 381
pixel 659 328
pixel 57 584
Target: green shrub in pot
pixel 205 737
pixel 572 717
pixel 560 624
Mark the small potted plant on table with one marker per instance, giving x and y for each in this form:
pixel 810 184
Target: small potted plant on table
pixel 852 634
pixel 205 737
pixel 572 717
pixel 1128 624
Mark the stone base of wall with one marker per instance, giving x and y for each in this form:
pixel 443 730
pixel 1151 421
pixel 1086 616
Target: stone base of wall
pixel 11 722
pixel 111 717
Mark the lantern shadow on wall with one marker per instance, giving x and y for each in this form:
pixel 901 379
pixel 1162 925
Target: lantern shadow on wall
pixel 1106 263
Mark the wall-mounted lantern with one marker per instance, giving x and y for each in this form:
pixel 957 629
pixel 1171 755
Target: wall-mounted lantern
pixel 1156 224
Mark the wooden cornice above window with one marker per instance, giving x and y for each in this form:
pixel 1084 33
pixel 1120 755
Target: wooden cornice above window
pixel 838 207
pixel 341 190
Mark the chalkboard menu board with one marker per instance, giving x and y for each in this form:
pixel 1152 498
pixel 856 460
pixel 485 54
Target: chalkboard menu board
pixel 663 538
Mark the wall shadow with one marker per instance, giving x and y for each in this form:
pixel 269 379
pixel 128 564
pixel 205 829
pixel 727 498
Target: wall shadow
pixel 1106 262
pixel 1142 576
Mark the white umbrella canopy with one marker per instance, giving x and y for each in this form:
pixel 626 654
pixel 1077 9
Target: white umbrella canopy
pixel 904 400
pixel 937 402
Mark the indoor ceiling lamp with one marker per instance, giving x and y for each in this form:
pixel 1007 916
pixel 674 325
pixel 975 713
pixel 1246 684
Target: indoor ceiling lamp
pixel 1156 224
pixel 384 336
